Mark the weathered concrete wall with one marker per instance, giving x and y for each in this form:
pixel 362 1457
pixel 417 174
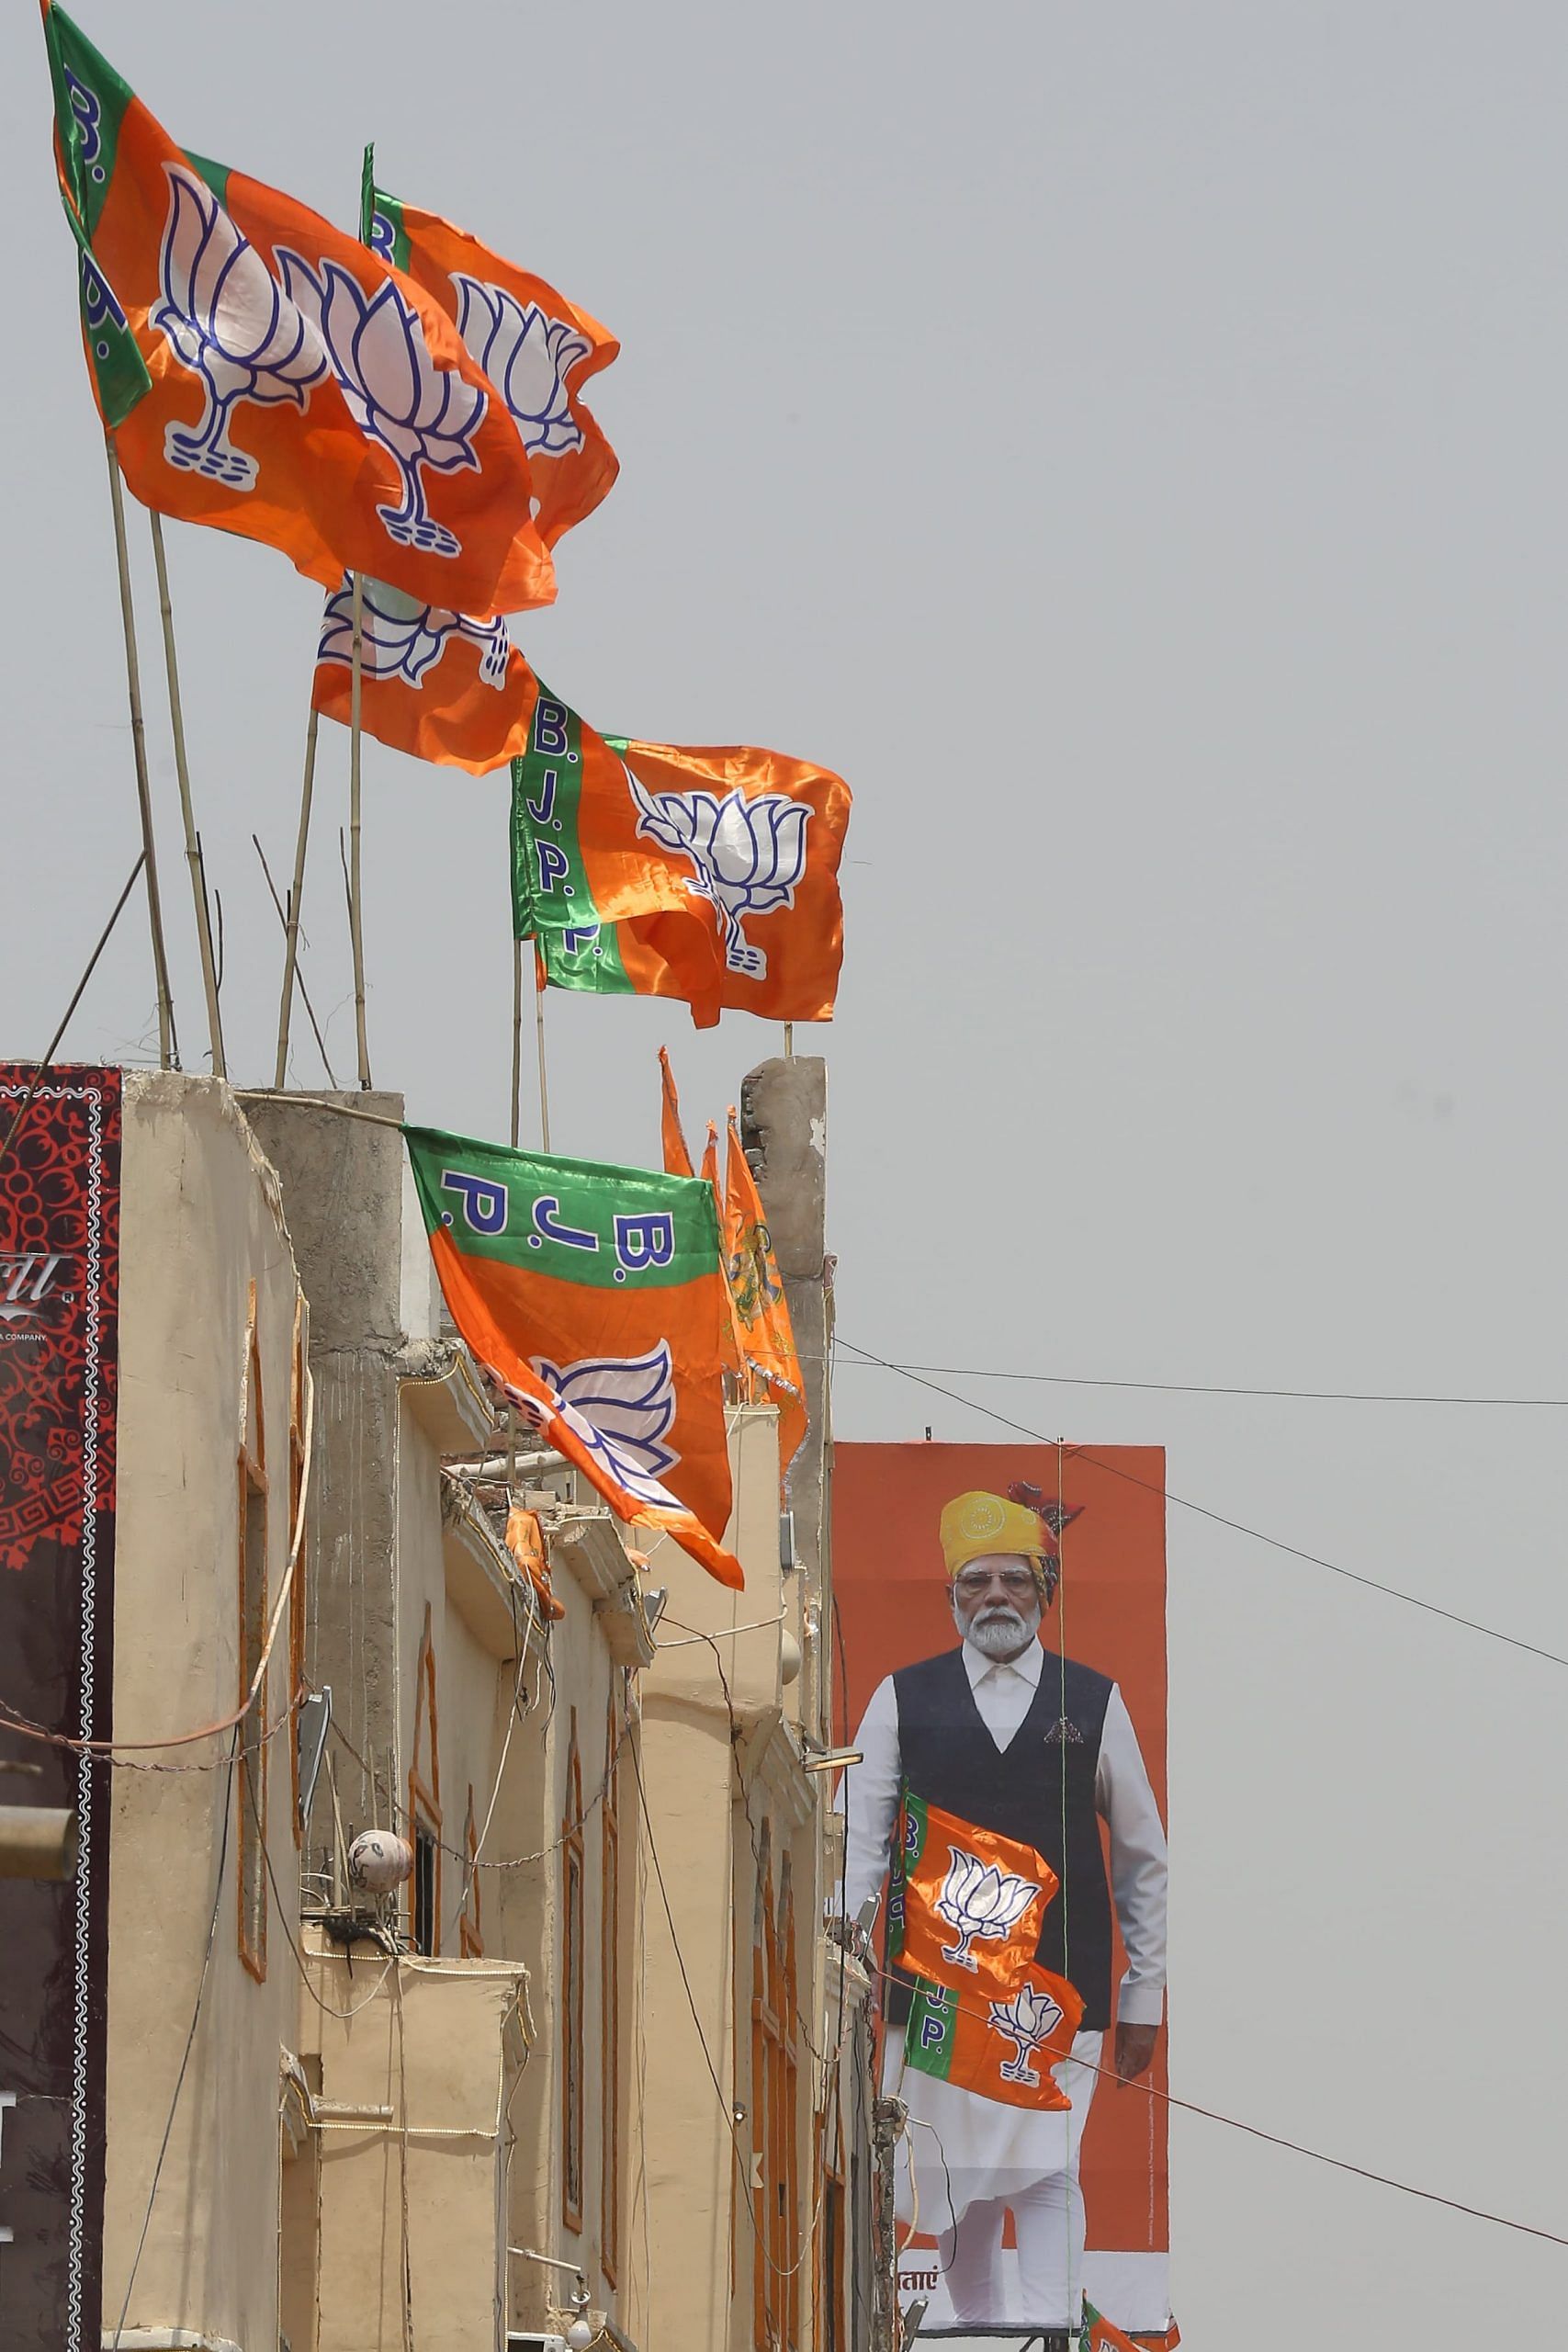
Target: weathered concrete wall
pixel 784 1127
pixel 201 1224
pixel 342 1196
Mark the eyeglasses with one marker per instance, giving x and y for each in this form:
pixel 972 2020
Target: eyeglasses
pixel 973 1583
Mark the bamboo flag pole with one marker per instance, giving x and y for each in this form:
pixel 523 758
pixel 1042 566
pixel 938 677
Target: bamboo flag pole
pixel 789 1041
pixel 544 1086
pixel 356 902
pixel 516 1042
pixel 291 927
pixel 166 1051
pixel 193 848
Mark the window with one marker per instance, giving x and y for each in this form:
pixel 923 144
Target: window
pixel 610 2004
pixel 774 2184
pixel 297 1589
pixel 251 1642
pixel 471 1933
pixel 424 1805
pixel 572 1990
pixel 832 2250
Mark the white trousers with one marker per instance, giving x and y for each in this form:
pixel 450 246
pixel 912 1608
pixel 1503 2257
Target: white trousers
pixel 1048 2223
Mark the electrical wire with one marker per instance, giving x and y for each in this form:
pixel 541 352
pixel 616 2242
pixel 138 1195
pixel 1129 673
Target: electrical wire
pixel 1298 2147
pixel 1207 1389
pixel 1219 1518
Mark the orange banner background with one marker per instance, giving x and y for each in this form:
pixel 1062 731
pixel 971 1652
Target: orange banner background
pixel 892 1596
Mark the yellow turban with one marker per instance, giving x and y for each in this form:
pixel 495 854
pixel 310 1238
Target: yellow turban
pixel 976 1524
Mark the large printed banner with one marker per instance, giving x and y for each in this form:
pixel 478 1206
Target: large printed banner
pixel 59 1289
pixel 1003 1617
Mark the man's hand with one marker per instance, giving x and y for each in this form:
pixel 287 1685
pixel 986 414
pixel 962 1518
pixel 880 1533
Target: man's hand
pixel 1134 2050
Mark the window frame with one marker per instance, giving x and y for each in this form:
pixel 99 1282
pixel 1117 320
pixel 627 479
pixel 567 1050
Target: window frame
pixel 425 1790
pixel 610 2004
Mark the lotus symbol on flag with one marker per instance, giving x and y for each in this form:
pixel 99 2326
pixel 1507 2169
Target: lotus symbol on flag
pixel 226 318
pixel 1027 2021
pixel 527 356
pixel 750 855
pixel 622 1406
pixel 421 415
pixel 399 638
pixel 979 1900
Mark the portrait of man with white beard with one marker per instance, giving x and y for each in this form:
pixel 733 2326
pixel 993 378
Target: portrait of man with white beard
pixel 1016 1738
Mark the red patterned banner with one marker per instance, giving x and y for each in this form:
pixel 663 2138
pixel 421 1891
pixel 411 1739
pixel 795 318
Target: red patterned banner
pixel 59 1333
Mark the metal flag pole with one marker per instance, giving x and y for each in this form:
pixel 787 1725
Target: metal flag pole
pixel 516 1042
pixel 355 895
pixel 193 848
pixel 167 1051
pixel 291 926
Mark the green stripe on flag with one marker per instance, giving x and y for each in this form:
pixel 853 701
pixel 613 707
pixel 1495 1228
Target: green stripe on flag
pixel 384 229
pixel 217 175
pixel 113 354
pixel 932 2028
pixel 549 882
pixel 572 1220
pixel 588 960
pixel 90 101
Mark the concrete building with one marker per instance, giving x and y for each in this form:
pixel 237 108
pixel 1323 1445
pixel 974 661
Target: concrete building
pixel 594 2057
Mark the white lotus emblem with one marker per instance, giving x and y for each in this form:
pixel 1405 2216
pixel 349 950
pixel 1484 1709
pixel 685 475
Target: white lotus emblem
pixel 979 1902
pixel 528 356
pixel 401 638
pixel 423 415
pixel 1027 2021
pixel 226 318
pixel 750 855
pixel 622 1407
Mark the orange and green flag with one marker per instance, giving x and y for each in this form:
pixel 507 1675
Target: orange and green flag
pixel 677 1159
pixel 538 348
pixel 1100 2335
pixel 611 837
pixel 298 391
pixel 964 1905
pixel 733 1362
pixel 594 1297
pixel 1003 2050
pixel 756 1291
pixel 431 683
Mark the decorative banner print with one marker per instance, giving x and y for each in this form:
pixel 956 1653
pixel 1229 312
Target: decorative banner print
pixel 966 1905
pixel 595 1297
pixel 58 1301
pixel 1001 2050
pixel 535 347
pixel 431 683
pixel 744 844
pixel 298 391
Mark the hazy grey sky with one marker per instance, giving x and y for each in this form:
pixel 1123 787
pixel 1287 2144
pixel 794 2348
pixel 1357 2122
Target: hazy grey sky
pixel 1129 444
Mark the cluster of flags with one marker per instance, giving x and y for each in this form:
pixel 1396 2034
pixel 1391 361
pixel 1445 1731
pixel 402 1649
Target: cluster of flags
pixel 619 1308
pixel 402 414
pixel 965 1906
pixel 406 407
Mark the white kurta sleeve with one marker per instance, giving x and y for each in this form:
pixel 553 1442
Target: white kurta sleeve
pixel 1138 1864
pixel 872 1797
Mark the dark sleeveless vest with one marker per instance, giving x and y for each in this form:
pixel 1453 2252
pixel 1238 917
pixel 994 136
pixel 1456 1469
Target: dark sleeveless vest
pixel 1040 1789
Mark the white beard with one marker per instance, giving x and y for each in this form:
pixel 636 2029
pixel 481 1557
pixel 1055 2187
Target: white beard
pixel 1003 1632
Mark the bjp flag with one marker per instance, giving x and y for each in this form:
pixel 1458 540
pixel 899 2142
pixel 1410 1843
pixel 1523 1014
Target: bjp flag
pixel 734 1363
pixel 756 1289
pixel 1003 2050
pixel 964 1905
pixel 538 348
pixel 594 1297
pixel 744 844
pixel 431 683
pixel 298 391
pixel 1098 2335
